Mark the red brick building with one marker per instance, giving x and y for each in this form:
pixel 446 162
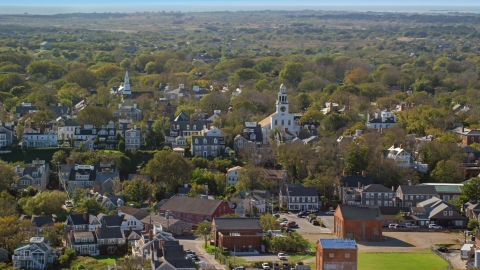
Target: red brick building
pixel 238 233
pixel 468 136
pixel 195 210
pixel 357 222
pixel 338 254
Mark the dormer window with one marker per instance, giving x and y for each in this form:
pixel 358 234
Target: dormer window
pixel 253 137
pixel 215 140
pixel 112 132
pixel 194 127
pixel 94 131
pixel 78 131
pixel 204 141
pixel 204 127
pixel 196 141
pixel 178 126
pixel 188 127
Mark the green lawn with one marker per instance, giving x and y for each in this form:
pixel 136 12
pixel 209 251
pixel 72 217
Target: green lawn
pixel 400 261
pixel 107 259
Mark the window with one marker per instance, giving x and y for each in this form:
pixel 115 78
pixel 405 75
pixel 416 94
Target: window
pixel 367 195
pixel 406 197
pixel 331 255
pixel 276 123
pixel 347 255
pixel 417 197
pixel 445 213
pixel 411 197
pixel 450 213
pixel 367 202
pixel 184 215
pixel 379 203
pixel 421 197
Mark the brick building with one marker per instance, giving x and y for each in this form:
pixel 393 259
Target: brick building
pixel 357 222
pixel 195 210
pixel 336 254
pixel 238 233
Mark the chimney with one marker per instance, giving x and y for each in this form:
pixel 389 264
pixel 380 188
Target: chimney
pixel 431 138
pixel 286 130
pixel 147 227
pixel 97 229
pixel 395 145
pixel 70 161
pixel 191 120
pixel 150 233
pixel 463 128
pixel 85 216
pixel 120 213
pixel 36 159
pixel 42 214
pixel 208 126
pixel 71 234
pixel 401 146
pixel 364 173
pixel 32 124
pixel 130 228
pixel 137 172
pixel 393 188
pixel 359 185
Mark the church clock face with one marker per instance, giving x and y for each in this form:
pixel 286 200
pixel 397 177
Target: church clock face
pixel 283 109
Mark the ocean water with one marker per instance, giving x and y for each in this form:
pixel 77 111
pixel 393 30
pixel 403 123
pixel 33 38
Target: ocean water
pixel 250 6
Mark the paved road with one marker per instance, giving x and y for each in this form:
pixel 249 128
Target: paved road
pixel 305 227
pixel 195 246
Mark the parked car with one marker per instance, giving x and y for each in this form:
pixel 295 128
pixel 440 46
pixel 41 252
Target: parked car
pixel 443 249
pixel 314 210
pixel 400 226
pixel 282 256
pixel 434 226
pixel 284 224
pixel 240 268
pixel 330 212
pixel 411 226
pixel 68 204
pixel 392 225
pixel 282 220
pixel 277 215
pixel 292 224
pixel 188 251
pixel 265 266
pixel 302 214
pixel 315 222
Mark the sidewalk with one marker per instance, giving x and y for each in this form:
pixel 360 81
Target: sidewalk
pixel 210 258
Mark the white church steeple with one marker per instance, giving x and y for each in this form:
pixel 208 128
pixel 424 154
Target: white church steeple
pixel 282 101
pixel 126 84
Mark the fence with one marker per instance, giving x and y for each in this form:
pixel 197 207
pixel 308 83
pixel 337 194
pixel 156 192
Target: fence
pixel 450 266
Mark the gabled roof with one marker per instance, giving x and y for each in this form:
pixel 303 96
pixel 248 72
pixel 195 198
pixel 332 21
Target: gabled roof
pixel 40 221
pixel 407 189
pixel 109 232
pixel 302 191
pixel 238 223
pixel 112 221
pixel 77 219
pixel 192 205
pixel 354 212
pixel 139 214
pixel 376 188
pixel 181 117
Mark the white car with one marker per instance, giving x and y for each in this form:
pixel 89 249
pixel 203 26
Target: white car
pixel 330 212
pixel 265 266
pixel 68 204
pixel 392 225
pixel 434 226
pixel 282 256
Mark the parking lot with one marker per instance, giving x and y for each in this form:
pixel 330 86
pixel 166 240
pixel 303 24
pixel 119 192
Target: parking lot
pixel 305 227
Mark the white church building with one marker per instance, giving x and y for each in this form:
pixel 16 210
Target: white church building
pixel 282 119
pixel 124 88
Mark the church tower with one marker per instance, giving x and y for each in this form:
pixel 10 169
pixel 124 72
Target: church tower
pixel 282 102
pixel 126 84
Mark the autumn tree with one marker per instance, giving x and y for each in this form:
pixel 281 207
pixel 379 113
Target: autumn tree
pixel 214 101
pixel 357 76
pixel 42 117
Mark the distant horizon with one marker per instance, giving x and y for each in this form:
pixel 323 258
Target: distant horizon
pixel 210 6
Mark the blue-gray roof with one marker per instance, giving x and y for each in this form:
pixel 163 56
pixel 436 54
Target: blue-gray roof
pixel 338 243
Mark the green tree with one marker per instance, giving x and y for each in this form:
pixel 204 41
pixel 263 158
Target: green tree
pixel 53 234
pixel 78 195
pixel 68 256
pixel 59 157
pixel 292 73
pixel 357 157
pixel 8 176
pixel 42 117
pixel 137 189
pixel 46 202
pixel 399 216
pixel 121 146
pixel 447 171
pixel 204 230
pixel 471 190
pixel 94 115
pixel 90 205
pixel 7 204
pixel 169 169
pixel 83 77
pixel 126 63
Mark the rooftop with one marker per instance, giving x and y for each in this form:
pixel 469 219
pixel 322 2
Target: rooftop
pixel 338 243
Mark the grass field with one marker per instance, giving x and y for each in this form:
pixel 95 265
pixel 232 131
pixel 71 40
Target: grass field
pixel 107 259
pixel 400 261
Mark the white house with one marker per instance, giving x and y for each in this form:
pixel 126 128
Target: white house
pixel 132 139
pixel 232 176
pixel 297 197
pixel 403 158
pixel 38 137
pixel 37 254
pixel 383 119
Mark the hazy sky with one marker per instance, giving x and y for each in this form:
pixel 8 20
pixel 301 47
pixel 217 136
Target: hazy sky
pixel 237 2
